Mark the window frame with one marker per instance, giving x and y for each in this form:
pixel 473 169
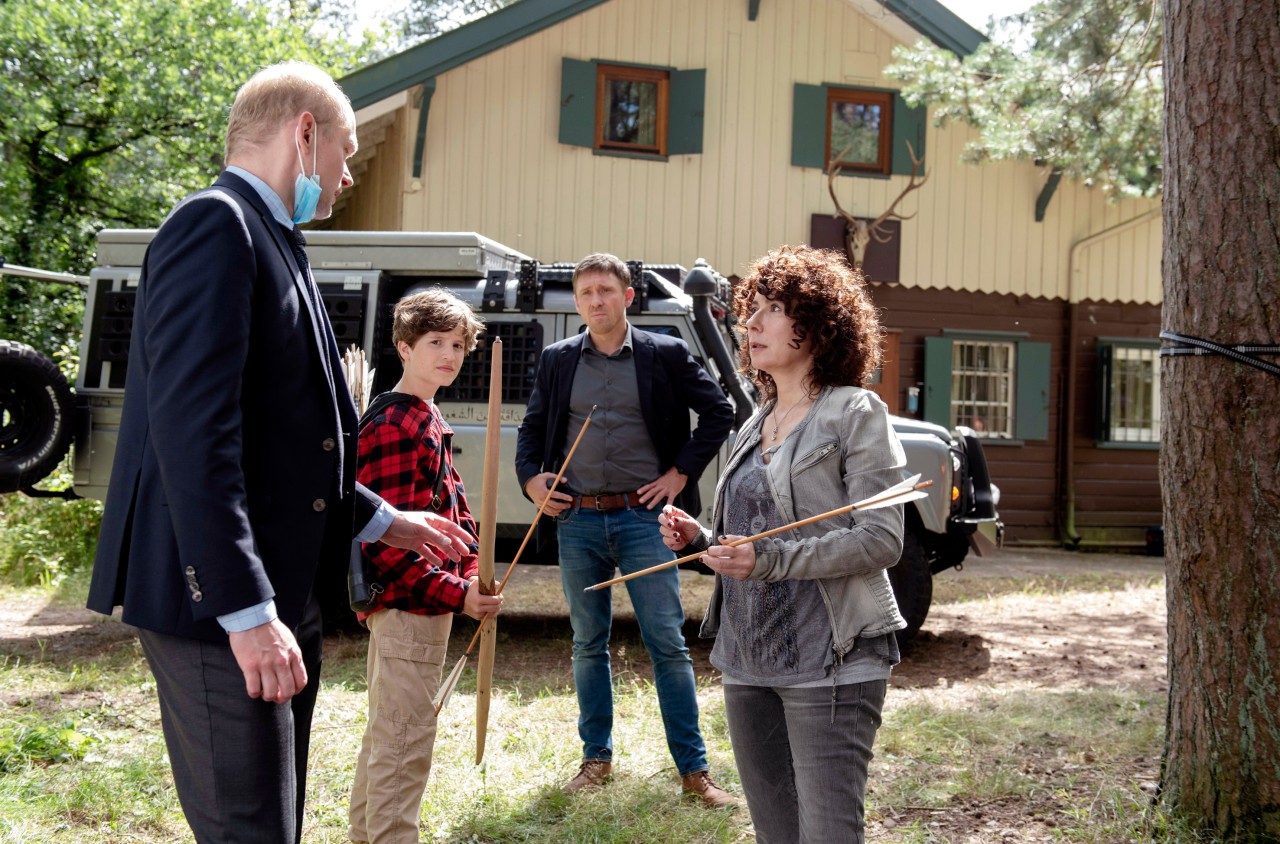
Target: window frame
pixel 1002 377
pixel 606 73
pixel 863 96
pixel 1032 382
pixel 1149 352
pixel 809 136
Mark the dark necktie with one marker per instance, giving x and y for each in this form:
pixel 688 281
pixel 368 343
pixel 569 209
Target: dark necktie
pixel 298 244
pixel 324 331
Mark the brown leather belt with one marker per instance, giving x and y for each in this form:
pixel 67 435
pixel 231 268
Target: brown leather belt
pixel 617 501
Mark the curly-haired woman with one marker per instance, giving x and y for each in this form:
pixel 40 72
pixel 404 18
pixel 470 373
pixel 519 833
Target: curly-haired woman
pixel 804 621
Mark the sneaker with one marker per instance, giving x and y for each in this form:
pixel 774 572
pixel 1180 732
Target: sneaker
pixel 701 785
pixel 592 775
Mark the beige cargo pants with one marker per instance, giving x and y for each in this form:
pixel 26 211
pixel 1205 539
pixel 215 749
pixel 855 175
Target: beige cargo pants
pixel 406 659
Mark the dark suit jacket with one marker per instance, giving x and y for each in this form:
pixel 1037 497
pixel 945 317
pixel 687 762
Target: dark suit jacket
pixel 671 383
pixel 229 485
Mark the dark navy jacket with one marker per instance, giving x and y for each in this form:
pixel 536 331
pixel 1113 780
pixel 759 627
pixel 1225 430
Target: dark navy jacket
pixel 671 383
pixel 233 480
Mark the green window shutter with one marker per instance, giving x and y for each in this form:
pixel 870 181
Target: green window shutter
pixel 578 103
pixel 809 126
pixel 687 110
pixel 1031 402
pixel 1106 361
pixel 909 124
pixel 937 381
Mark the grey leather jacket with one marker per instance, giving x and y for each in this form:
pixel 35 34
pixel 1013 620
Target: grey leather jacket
pixel 845 450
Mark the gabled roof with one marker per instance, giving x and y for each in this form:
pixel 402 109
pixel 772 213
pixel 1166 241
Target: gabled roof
pixel 939 24
pixel 380 80
pixel 393 74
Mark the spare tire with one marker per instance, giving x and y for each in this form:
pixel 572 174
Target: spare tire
pixel 36 413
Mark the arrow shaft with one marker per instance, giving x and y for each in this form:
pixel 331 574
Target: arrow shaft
pixel 443 697
pixel 874 502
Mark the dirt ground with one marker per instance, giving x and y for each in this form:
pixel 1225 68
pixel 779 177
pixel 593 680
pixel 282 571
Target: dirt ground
pixel 1040 638
pixel 1077 640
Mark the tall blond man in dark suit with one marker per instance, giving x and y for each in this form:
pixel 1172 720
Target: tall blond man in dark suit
pixel 233 490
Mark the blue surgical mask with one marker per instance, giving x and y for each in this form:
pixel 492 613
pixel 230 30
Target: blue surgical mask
pixel 306 191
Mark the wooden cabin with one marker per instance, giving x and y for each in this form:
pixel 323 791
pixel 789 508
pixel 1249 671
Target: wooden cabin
pixel 671 130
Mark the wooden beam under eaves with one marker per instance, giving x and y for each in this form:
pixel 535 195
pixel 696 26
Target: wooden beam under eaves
pixel 420 138
pixel 1046 194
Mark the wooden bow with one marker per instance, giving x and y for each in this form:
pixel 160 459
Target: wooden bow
pixel 488 534
pixel 446 688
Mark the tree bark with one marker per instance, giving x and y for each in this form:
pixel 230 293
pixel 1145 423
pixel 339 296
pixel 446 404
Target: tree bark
pixel 1220 451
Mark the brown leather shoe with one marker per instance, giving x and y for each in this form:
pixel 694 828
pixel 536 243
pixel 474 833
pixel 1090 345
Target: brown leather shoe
pixel 701 785
pixel 592 775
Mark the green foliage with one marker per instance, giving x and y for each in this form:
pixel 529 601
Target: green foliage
pixel 1073 84
pixel 112 110
pixel 29 741
pixel 424 19
pixel 42 540
pixel 42 315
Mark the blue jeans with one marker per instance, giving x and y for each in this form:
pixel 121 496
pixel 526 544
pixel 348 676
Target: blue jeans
pixel 592 544
pixel 802 755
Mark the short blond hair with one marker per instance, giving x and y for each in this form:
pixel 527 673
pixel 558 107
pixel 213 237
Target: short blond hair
pixel 279 93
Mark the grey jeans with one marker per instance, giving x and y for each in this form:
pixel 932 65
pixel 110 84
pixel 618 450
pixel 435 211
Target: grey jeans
pixel 802 755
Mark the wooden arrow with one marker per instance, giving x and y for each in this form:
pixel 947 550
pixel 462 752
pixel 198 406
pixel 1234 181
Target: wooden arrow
pixel 908 490
pixel 451 682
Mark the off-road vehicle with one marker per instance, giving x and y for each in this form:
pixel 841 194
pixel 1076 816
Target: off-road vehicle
pixel 529 305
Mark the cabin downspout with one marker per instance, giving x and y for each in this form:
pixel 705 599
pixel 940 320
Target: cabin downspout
pixel 1070 536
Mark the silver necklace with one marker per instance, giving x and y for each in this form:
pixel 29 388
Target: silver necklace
pixel 777 422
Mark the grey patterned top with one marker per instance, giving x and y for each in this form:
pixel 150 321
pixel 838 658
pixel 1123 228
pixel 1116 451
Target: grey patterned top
pixel 779 633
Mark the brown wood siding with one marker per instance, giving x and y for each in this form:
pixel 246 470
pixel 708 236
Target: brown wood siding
pixel 376 203
pixel 1117 489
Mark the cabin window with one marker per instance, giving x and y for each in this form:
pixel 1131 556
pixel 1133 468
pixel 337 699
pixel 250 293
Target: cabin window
pixel 1129 391
pixel 630 110
pixel 875 124
pixel 996 384
pixel 859 129
pixel 982 387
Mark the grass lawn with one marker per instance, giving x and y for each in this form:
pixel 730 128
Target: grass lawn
pixel 987 757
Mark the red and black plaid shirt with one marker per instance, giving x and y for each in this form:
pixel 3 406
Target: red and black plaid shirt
pixel 400 457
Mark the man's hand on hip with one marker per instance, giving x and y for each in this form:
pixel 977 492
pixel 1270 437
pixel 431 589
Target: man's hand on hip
pixel 271 661
pixel 664 490
pixel 421 531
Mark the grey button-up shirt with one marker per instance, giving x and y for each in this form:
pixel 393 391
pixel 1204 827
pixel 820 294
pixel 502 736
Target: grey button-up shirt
pixel 616 455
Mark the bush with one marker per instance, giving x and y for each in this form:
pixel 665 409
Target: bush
pixel 42 540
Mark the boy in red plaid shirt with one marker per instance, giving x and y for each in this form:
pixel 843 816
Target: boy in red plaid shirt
pixel 405 457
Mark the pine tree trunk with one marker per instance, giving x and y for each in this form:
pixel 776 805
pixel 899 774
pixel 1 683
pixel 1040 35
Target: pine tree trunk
pixel 1220 452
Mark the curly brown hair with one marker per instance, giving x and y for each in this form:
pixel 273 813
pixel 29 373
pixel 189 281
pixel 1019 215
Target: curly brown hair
pixel 831 307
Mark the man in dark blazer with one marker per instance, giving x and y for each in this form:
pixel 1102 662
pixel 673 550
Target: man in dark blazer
pixel 637 454
pixel 233 488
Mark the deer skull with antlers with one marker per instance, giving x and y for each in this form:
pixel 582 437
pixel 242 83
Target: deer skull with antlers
pixel 858 233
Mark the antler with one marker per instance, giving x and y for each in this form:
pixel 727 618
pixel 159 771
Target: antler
pixel 833 169
pixel 858 233
pixel 889 214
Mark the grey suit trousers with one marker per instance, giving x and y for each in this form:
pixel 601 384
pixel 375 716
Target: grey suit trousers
pixel 239 764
